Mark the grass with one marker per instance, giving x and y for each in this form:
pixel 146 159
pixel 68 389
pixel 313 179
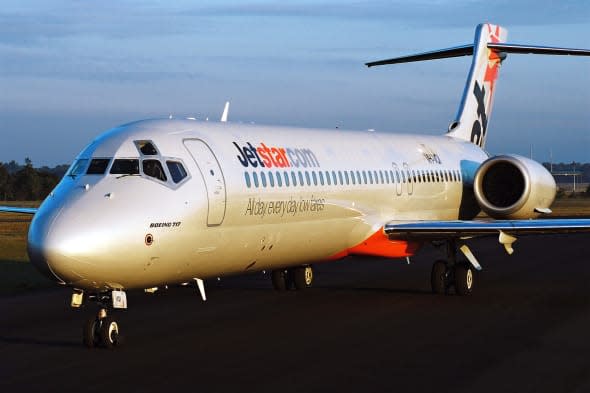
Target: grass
pixel 571 207
pixel 17 274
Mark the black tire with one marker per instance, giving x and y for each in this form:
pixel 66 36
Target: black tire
pixel 464 279
pixel 438 277
pixel 90 334
pixel 109 333
pixel 303 277
pixel 279 280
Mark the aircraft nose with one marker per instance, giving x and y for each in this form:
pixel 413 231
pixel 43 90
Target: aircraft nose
pixel 44 248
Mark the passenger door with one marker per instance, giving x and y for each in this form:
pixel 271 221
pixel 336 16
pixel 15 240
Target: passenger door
pixel 213 178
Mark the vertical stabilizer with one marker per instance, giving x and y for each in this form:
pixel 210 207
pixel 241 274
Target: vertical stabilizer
pixel 475 110
pixel 488 51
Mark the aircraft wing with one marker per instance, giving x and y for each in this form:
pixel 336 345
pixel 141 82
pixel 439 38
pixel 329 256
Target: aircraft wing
pixel 506 230
pixel 23 210
pixel 462 229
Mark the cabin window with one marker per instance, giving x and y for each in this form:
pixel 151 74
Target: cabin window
pixel 255 178
pixel 98 166
pixel 263 179
pixel 301 179
pixel 370 177
pixel 153 168
pixel 279 179
pixel 146 148
pixel 315 178
pixel 125 166
pixel 178 172
pixel 271 179
pixel 352 177
pixel 286 176
pixel 328 178
pixel 346 178
pixel 294 178
pixel 321 174
pixel 247 178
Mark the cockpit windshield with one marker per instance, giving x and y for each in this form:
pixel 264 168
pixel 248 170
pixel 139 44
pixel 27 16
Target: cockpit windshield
pixel 78 167
pixel 125 166
pixel 98 166
pixel 153 168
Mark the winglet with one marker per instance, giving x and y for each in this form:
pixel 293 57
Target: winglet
pixel 225 112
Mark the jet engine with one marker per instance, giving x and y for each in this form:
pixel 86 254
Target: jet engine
pixel 513 187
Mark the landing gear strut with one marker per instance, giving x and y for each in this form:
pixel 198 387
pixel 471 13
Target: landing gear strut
pixel 452 274
pixel 300 278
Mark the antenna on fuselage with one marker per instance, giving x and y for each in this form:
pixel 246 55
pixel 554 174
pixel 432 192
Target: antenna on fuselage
pixel 225 112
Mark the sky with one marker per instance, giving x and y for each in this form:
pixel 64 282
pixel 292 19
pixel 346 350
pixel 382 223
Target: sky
pixel 72 69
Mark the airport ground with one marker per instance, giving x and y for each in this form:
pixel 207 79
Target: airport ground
pixel 367 325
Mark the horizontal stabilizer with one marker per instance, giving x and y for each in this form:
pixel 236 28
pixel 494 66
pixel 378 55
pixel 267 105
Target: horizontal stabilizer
pixel 465 50
pixel 538 50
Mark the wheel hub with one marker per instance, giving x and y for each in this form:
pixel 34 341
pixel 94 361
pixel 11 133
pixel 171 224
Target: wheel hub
pixel 308 275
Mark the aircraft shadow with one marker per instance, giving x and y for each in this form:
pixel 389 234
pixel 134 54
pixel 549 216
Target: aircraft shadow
pixel 379 290
pixel 36 341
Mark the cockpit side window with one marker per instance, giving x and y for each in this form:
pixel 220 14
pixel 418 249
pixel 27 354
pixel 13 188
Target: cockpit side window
pixel 78 167
pixel 153 168
pixel 176 170
pixel 146 148
pixel 125 166
pixel 98 166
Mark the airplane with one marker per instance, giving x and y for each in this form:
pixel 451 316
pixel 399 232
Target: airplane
pixel 164 201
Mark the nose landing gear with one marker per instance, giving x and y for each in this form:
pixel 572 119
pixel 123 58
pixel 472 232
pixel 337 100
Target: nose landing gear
pixel 101 329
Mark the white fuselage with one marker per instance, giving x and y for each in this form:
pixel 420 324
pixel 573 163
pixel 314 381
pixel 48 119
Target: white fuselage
pixel 253 198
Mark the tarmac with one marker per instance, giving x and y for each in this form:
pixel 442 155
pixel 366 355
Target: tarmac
pixel 367 325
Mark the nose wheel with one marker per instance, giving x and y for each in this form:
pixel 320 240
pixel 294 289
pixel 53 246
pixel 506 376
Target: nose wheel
pixel 101 330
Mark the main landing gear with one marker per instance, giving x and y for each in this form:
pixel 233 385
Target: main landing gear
pixel 102 329
pixel 450 273
pixel 300 278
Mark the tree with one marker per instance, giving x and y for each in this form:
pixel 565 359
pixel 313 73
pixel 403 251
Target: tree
pixel 26 185
pixel 4 181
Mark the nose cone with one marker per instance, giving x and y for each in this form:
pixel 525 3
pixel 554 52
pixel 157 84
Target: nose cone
pixel 40 246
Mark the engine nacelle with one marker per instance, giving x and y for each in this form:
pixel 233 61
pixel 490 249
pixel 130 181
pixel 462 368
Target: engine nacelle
pixel 513 187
